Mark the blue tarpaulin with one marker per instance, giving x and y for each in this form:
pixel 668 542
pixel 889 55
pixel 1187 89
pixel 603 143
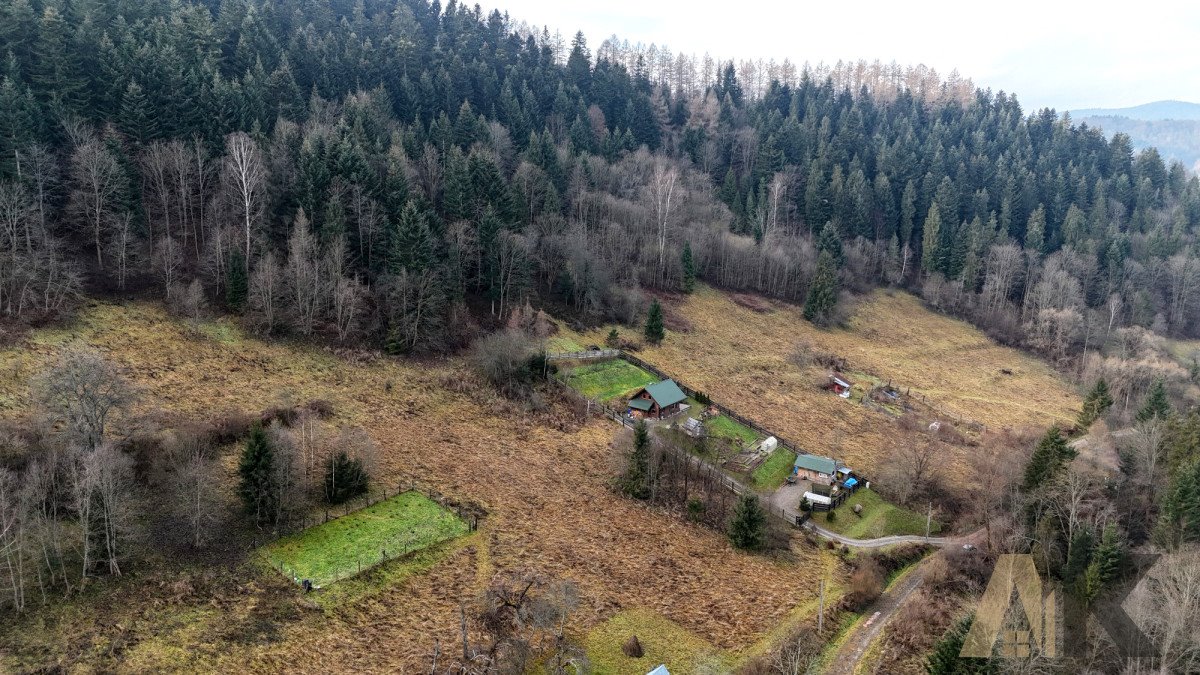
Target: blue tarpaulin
pixel 851 482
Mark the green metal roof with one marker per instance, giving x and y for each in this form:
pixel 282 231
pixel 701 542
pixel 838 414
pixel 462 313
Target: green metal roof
pixel 666 393
pixel 816 463
pixel 643 404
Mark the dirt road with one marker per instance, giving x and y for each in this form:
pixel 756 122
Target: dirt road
pixel 863 634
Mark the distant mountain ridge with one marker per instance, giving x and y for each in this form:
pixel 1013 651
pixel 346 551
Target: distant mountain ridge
pixel 1171 126
pixel 1146 112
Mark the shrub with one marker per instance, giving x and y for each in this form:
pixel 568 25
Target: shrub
pixel 345 478
pixel 696 509
pixel 510 361
pixel 865 584
pixel 831 516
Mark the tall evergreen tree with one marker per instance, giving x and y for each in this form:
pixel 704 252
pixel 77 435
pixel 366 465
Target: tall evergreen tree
pixel 748 528
pixel 256 471
pixel 1095 404
pixel 931 241
pixel 655 332
pixel 1051 453
pixel 823 292
pixel 1156 405
pixel 636 481
pixel 237 284
pixel 688 264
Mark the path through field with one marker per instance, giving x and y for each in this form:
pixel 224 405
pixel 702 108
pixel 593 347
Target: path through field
pixel 863 634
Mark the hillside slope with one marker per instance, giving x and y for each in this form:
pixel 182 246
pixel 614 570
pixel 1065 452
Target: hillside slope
pixel 551 510
pixel 743 358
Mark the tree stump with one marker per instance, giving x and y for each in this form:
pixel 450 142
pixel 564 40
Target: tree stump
pixel 858 509
pixel 632 647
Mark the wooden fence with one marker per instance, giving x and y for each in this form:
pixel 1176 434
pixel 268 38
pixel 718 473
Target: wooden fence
pixel 589 355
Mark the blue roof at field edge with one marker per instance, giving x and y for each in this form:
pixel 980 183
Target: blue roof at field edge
pixel 666 393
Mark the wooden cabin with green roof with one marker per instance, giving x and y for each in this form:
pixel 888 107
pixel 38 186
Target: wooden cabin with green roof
pixel 658 400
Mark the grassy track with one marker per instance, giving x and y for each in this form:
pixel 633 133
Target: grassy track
pixel 608 380
pixel 407 522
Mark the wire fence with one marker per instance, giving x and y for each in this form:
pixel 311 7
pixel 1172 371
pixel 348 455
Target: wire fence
pixel 397 546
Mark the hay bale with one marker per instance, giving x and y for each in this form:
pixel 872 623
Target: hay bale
pixel 633 647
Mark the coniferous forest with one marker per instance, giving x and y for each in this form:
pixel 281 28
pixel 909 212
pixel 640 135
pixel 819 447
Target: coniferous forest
pixel 400 173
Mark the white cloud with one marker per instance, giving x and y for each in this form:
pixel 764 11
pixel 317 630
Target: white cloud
pixel 1059 54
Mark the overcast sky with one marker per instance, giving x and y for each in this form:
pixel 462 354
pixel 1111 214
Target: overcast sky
pixel 1050 52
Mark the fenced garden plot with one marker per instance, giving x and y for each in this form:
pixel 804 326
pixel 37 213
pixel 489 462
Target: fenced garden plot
pixel 878 518
pixel 608 380
pixel 345 546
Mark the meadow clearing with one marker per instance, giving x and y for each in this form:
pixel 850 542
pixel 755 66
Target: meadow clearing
pixel 546 491
pixel 740 353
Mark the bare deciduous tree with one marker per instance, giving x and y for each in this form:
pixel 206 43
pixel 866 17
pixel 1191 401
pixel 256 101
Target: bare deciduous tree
pixel 245 176
pixel 266 291
pixel 96 181
pixel 82 389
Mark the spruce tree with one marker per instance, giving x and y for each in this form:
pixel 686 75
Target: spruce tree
pixel 1179 519
pixel 1107 565
pixel 931 241
pixel 830 241
pixel 748 528
pixel 1079 556
pixel 1156 405
pixel 1048 458
pixel 1097 402
pixel 256 472
pixel 822 294
pixel 654 324
pixel 636 481
pixel 345 478
pixel 237 287
pixel 688 263
pixel 945 659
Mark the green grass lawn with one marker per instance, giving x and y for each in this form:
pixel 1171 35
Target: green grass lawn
pixel 608 380
pixel 663 641
pixel 723 426
pixel 878 519
pixel 770 474
pixel 407 522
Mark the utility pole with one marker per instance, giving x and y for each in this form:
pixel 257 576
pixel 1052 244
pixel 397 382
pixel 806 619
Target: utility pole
pixel 821 609
pixel 928 519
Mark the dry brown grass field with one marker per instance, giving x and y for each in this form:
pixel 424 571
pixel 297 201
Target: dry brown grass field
pixel 740 354
pixel 550 509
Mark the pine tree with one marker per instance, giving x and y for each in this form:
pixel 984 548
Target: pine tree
pixel 345 478
pixel 1097 402
pixel 636 481
pixel 931 241
pixel 237 286
pixel 748 528
pixel 688 263
pixel 655 333
pixel 256 471
pixel 1156 405
pixel 1048 458
pixel 822 294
